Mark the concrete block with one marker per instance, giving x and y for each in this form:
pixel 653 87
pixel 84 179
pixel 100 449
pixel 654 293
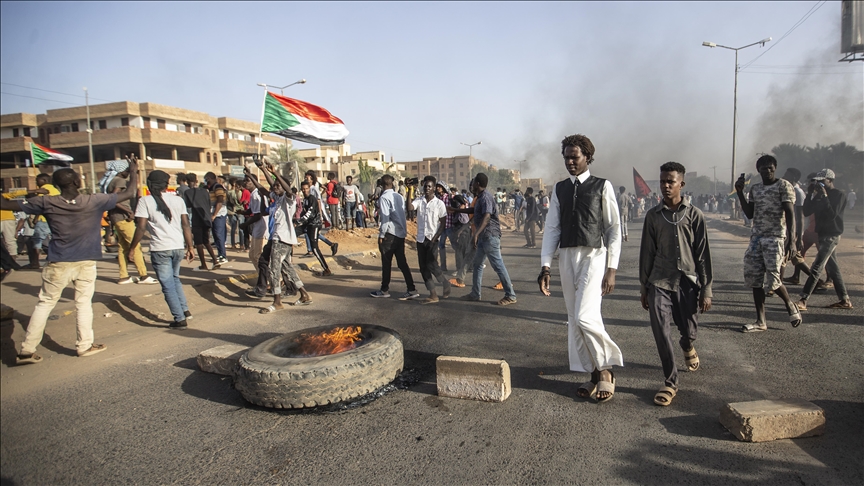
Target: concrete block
pixel 766 420
pixel 476 379
pixel 221 359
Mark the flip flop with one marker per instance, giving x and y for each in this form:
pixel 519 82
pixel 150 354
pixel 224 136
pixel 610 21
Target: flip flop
pixel 840 305
pixel 691 359
pixel 664 396
pixel 606 386
pixel 587 389
pixel 302 302
pixel 269 310
pixel 753 328
pixel 795 319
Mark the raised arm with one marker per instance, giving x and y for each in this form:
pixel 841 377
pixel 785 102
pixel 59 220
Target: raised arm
pixel 132 185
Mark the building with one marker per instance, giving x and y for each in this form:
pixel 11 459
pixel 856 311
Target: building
pixel 340 161
pixel 455 171
pixel 162 137
pixel 536 184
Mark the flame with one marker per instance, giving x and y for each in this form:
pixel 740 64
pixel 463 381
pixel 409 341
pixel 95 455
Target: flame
pixel 336 341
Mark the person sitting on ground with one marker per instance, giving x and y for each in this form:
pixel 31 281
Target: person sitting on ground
pixel 163 215
pixel 675 274
pixel 75 220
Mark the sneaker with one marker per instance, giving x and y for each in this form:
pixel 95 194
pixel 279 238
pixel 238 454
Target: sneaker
pixel 222 259
pixel 148 280
pixel 411 294
pixel 334 248
pixel 471 298
pixel 252 294
pixel 96 348
pixel 124 281
pixel 378 294
pixel 200 269
pixel 23 359
pixel 187 314
pixel 178 326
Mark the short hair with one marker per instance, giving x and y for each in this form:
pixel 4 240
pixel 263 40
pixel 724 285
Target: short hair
pixel 581 141
pixel 209 175
pixel 673 167
pixel 430 178
pixel 181 177
pixel 481 179
pixel 43 177
pixel 192 177
pixel 311 173
pixel 349 177
pixel 794 173
pixel 766 159
pixel 305 183
pixel 622 188
pixel 387 180
pixel 530 190
pixel 331 175
pixel 64 177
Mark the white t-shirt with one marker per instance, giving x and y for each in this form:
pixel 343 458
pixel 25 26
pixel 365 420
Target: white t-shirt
pixel 351 193
pixel 260 229
pixel 428 215
pixel 164 235
pixel 283 229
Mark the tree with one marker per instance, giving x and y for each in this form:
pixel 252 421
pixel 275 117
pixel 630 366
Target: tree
pixel 367 176
pixel 845 160
pixel 284 158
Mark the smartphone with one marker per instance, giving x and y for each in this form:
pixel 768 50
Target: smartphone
pixel 259 162
pixel 742 176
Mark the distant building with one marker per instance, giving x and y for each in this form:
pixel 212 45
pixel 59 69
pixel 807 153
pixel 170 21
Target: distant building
pixel 455 171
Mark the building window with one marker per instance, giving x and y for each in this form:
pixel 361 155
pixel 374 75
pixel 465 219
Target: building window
pixel 26 131
pixel 16 182
pixel 160 124
pixel 124 122
pixel 225 134
pixel 74 127
pixel 213 135
pixel 188 127
pixel 146 121
pixel 64 129
pixel 215 158
pixel 103 124
pixel 15 135
pixel 208 158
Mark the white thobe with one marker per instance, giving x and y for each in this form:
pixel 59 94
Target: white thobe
pixel 582 269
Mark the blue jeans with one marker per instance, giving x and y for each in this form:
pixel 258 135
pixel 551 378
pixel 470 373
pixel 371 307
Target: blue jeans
pixel 442 246
pixel 219 232
pixel 166 264
pixel 41 232
pixel 490 246
pixel 234 222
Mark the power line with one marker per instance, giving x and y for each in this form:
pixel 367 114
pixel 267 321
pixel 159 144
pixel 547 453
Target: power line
pixel 806 16
pixel 55 92
pixel 35 98
pixel 794 74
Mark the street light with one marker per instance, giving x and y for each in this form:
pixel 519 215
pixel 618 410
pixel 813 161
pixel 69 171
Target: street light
pixel 282 88
pixel 735 102
pixel 90 144
pixel 470 149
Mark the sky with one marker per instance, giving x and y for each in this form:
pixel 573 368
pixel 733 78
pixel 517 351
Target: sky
pixel 418 79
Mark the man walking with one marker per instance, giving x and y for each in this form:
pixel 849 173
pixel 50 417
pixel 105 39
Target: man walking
pixel 391 240
pixel 164 216
pixel 487 241
pixel 219 215
pixel 518 206
pixel 770 207
pixel 826 203
pixel 333 199
pixel 351 198
pixel 257 222
pixel 431 218
pixel 123 220
pixel 75 222
pixel 584 224
pixel 531 217
pixel 442 194
pixel 460 239
pixel 675 275
pixel 197 200
pixel 624 210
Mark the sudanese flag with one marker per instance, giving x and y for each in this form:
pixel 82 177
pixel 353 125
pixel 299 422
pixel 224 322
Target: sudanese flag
pixel 301 121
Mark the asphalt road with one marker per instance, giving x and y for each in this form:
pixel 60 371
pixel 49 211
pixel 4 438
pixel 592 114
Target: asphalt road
pixel 142 413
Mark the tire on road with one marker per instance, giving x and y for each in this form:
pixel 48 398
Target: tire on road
pixel 267 377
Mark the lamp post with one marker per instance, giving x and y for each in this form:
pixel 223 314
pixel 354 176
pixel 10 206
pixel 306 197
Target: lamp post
pixel 735 98
pixel 520 169
pixel 90 144
pixel 470 149
pixel 261 126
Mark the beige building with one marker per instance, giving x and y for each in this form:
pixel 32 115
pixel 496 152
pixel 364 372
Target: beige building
pixel 162 137
pixel 455 171
pixel 340 161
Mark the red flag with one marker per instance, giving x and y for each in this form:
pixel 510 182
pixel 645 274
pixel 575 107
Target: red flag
pixel 642 188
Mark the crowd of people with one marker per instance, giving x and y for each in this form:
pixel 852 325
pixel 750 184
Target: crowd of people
pixel 583 222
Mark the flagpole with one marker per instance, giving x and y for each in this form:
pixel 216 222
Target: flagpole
pixel 32 157
pixel 261 125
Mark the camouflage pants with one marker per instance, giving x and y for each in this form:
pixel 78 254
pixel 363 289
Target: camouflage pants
pixel 762 262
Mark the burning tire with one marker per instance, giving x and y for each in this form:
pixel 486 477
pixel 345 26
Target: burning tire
pixel 273 375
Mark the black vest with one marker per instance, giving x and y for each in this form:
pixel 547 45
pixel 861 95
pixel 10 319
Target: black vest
pixel 582 225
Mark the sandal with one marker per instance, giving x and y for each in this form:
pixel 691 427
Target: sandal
pixel 499 286
pixel 606 386
pixel 587 389
pixel 754 328
pixel 302 302
pixel 506 301
pixel 691 359
pixel 664 396
pixel 795 318
pixel 843 304
pixel 801 305
pixel 269 310
pixel 23 359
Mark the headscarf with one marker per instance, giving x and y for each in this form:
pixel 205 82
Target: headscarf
pixel 157 182
pixel 112 168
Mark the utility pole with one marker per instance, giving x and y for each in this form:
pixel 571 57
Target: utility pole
pixel 714 168
pixel 90 143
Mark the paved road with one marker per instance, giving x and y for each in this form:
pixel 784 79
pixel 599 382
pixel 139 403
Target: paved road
pixel 141 412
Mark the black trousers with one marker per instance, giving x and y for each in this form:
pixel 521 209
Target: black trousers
pixel 313 231
pixel 390 247
pixel 530 233
pixel 667 307
pixel 427 257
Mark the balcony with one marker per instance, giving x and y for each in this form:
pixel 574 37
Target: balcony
pixel 17 144
pixel 110 136
pixel 240 147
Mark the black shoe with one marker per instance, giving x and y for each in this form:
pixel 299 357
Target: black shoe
pixel 252 294
pixel 187 314
pixel 334 248
pixel 179 326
